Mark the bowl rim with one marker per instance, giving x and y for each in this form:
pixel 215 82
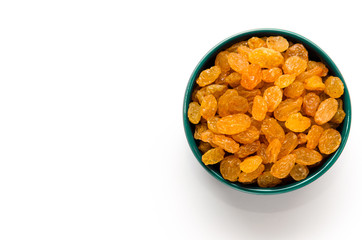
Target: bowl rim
pixel 323 56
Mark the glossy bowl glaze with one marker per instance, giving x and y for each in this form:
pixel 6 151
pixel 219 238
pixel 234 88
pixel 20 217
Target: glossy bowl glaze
pixel 316 54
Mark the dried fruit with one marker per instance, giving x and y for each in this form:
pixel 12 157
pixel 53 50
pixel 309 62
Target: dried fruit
pixel 334 87
pixel 289 144
pixel 271 75
pixel 208 76
pixel 273 96
pixel 302 138
pixel 283 166
pixel 248 149
pixel 314 134
pixel 233 124
pixel 273 150
pixel 262 153
pixel 199 128
pixel 287 107
pixel 238 62
pixel 193 113
pixel 250 164
pixel 310 104
pixel 314 65
pixel 204 147
pixel 306 156
pixel 326 110
pixel 294 90
pixel 266 58
pixel 277 43
pixel 266 180
pixel 226 143
pixel 296 122
pixel 208 107
pixel 329 141
pixel 211 124
pixel 248 136
pixel 314 83
pixel 221 60
pixel 340 114
pixel 230 169
pixel 256 42
pixel 294 65
pixel 271 129
pixel 251 77
pixel 285 80
pixel 213 156
pixel 297 50
pixel 249 177
pixel 237 104
pixel 299 172
pixel 259 108
pixel 233 79
pixel 244 113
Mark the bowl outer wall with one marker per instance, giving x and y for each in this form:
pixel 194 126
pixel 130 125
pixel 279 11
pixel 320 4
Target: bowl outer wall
pixel 311 47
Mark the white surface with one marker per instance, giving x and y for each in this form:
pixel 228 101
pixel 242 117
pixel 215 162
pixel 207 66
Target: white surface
pixel 91 137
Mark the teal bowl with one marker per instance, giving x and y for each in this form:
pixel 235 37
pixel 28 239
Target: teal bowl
pixel 316 54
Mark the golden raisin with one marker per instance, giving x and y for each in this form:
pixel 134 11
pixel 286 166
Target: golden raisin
pixel 326 110
pixel 230 169
pixel 314 65
pixel 283 166
pixel 193 113
pixel 296 122
pixel 211 124
pixel 248 136
pixel 248 149
pixel 266 180
pixel 273 96
pixel 306 156
pixel 266 58
pixel 208 76
pixel 334 87
pixel 285 80
pixel 237 62
pixel 302 138
pixel 259 108
pixel 340 114
pixel 213 156
pixel 277 43
pixel 221 60
pixel 294 90
pixel 294 65
pixel 204 146
pixel 271 129
pixel 233 124
pixel 297 50
pixel 314 134
pixel 223 104
pixel 233 79
pixel 329 141
pixel 287 107
pixel 271 75
pixel 199 128
pixel 208 107
pixel 250 164
pixel 314 83
pixel 226 143
pixel 273 150
pixel 289 144
pixel 249 177
pixel 256 42
pixel 299 172
pixel 310 104
pixel 251 77
pixel 262 153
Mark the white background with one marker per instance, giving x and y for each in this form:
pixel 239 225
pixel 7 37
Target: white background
pixel 92 144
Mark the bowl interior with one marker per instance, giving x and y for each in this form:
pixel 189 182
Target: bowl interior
pixel 316 54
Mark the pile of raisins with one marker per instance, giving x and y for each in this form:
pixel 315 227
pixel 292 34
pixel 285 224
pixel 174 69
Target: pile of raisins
pixel 266 113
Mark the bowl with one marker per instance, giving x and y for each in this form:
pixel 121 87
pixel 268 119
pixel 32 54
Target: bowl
pixel 316 54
